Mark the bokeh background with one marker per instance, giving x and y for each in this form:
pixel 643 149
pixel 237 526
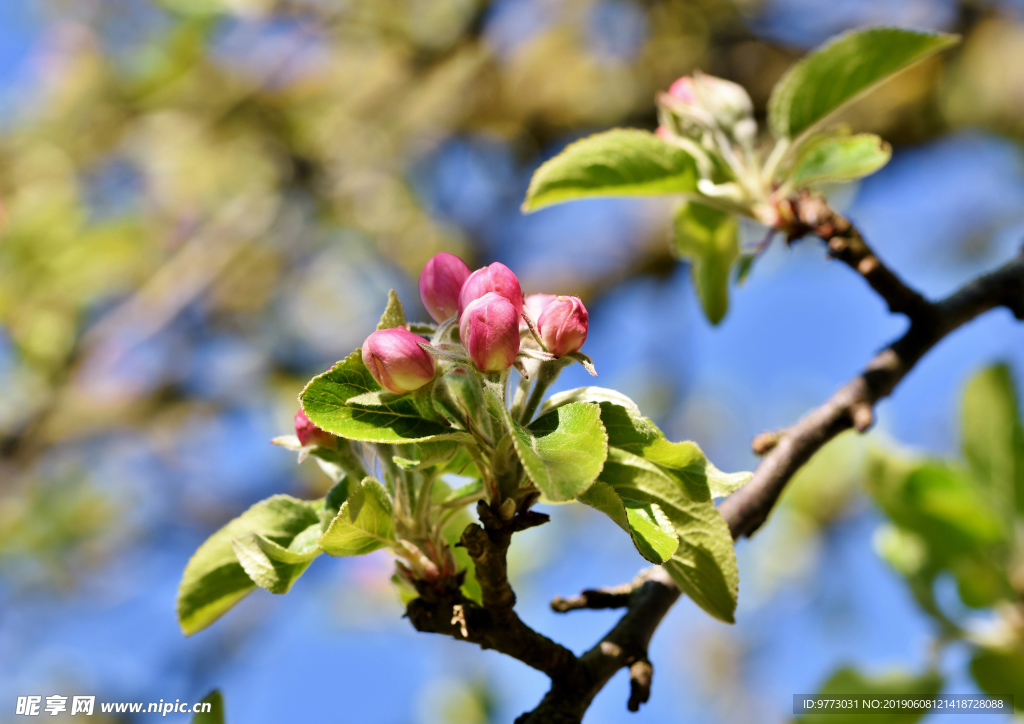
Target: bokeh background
pixel 205 203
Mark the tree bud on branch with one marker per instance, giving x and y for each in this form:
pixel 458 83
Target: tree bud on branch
pixel 440 283
pixel 489 330
pixel 496 278
pixel 396 360
pixel 563 326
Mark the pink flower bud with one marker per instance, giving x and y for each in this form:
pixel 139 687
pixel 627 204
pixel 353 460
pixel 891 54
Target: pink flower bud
pixel 440 283
pixel 396 360
pixel 496 278
pixel 534 306
pixel 563 326
pixel 489 330
pixel 664 133
pixel 683 89
pixel 310 434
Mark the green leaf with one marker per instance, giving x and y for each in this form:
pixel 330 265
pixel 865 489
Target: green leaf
pixel 645 467
pixel 272 566
pixel 651 530
pixel 589 394
pixel 216 713
pixel 709 240
pixel 947 513
pixel 844 69
pixel 704 564
pixel 1000 674
pixel 723 484
pixel 562 451
pixel 364 523
pixel 993 438
pixel 848 683
pixel 214 580
pixel 427 455
pixel 394 313
pixel 839 158
pixel 325 401
pixel 620 162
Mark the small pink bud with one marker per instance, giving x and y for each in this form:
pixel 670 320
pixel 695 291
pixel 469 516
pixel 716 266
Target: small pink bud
pixel 489 330
pixel 563 326
pixel 396 360
pixel 534 306
pixel 310 434
pixel 496 278
pixel 440 283
pixel 663 132
pixel 683 89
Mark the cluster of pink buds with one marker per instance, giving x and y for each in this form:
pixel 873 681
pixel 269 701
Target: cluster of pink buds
pixel 493 320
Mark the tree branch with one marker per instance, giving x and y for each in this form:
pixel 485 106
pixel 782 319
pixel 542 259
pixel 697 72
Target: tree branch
pixel 785 452
pixel 575 681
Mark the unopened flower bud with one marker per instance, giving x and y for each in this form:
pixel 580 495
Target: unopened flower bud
pixel 489 330
pixel 396 360
pixel 563 326
pixel 310 434
pixel 496 278
pixel 728 102
pixel 683 89
pixel 440 283
pixel 534 306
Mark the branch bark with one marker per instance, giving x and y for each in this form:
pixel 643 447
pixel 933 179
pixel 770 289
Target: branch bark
pixel 575 681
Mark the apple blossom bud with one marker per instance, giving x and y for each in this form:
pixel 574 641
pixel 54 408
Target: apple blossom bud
pixel 496 278
pixel 440 283
pixel 310 434
pixel 563 326
pixel 664 133
pixel 683 89
pixel 396 360
pixel 534 306
pixel 489 330
pixel 728 102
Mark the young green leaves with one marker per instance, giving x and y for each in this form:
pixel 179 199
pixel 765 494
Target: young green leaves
pixel 216 577
pixel 620 162
pixel 706 150
pixel 842 70
pixel 326 401
pixel 658 490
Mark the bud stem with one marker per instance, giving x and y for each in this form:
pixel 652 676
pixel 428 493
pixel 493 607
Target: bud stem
pixel 547 374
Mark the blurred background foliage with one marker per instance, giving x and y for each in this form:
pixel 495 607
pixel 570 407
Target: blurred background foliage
pixel 206 201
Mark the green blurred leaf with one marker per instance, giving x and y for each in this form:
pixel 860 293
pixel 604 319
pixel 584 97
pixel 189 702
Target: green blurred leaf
pixel 1000 674
pixel 562 451
pixel 271 566
pixel 214 580
pixel 394 313
pixel 945 511
pixel 842 70
pixel 216 713
pixel 848 683
pixel 364 523
pixel 620 162
pixel 325 401
pixel 428 455
pixel 652 532
pixel 709 240
pixel 839 158
pixel 993 438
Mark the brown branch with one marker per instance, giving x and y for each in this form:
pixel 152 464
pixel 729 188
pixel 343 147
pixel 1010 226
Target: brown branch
pixel 576 681
pixel 807 213
pixel 852 404
pixel 785 452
